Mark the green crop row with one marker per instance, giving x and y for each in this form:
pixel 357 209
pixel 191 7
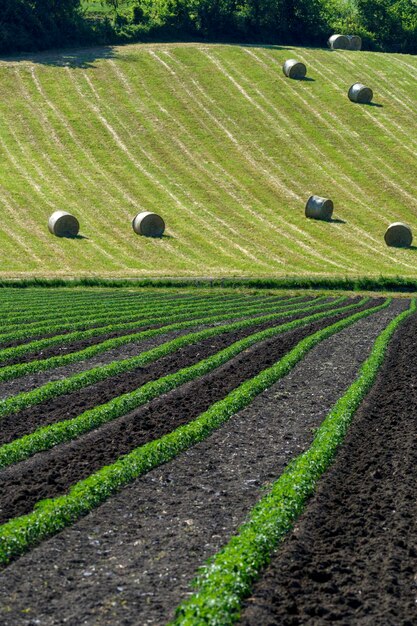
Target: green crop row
pixel 21 309
pixel 41 344
pixel 20 369
pixel 51 516
pixel 89 377
pixel 228 577
pixel 131 312
pixel 48 436
pixel 80 312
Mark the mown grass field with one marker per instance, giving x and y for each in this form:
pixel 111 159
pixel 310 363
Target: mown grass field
pixel 216 140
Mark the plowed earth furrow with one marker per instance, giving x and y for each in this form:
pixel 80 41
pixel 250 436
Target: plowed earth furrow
pixel 131 560
pixel 31 381
pixel 73 404
pixel 51 473
pixel 352 557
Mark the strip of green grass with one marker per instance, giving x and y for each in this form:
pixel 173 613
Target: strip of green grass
pixel 56 388
pixel 21 369
pixel 228 577
pixel 364 283
pixel 50 516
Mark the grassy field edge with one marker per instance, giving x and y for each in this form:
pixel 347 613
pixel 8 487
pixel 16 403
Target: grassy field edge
pixel 365 283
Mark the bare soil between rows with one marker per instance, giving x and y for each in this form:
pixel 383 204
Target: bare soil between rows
pixel 352 557
pixel 132 559
pixel 70 405
pixel 52 472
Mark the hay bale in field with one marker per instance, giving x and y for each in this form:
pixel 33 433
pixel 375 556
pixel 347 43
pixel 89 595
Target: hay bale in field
pixel 63 224
pixel 355 42
pixel 360 94
pixel 148 224
pixel 338 42
pixel 319 208
pixel 398 235
pixel 294 69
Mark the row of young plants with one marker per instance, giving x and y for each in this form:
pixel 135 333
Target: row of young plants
pixel 84 311
pixel 50 390
pixel 129 312
pixel 15 312
pixel 52 515
pixel 149 318
pixel 47 437
pixel 26 309
pixel 228 576
pixel 21 369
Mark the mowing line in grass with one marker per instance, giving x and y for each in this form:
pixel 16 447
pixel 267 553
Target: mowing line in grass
pixel 50 516
pixel 227 579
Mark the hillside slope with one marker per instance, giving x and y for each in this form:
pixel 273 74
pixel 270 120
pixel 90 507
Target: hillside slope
pixel 215 139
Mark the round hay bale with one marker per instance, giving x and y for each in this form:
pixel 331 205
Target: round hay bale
pixel 398 235
pixel 294 69
pixel 148 224
pixel 355 42
pixel 63 224
pixel 319 208
pixel 338 42
pixel 361 94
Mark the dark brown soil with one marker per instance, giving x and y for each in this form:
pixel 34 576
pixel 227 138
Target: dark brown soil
pixel 72 404
pixel 352 558
pixel 28 382
pixel 51 473
pixel 131 560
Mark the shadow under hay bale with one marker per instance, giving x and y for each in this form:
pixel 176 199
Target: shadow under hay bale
pixel 398 235
pixel 63 224
pixel 339 42
pixel 148 224
pixel 319 208
pixel 294 69
pixel 360 93
pixel 355 42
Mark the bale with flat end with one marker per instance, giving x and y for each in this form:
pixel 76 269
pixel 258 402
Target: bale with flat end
pixel 338 42
pixel 148 224
pixel 319 208
pixel 294 69
pixel 355 42
pixel 360 93
pixel 398 235
pixel 63 224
